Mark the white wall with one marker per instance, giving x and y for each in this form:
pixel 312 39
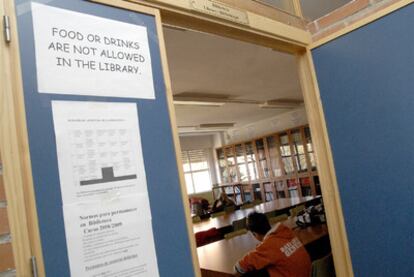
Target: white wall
pixel 275 124
pixel 196 142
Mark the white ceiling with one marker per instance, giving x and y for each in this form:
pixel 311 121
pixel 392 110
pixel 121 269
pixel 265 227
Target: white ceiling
pixel 204 63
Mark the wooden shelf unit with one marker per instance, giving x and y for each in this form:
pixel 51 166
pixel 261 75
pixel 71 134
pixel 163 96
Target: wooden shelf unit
pixel 278 165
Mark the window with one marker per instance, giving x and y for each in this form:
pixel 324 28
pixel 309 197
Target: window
pixel 196 171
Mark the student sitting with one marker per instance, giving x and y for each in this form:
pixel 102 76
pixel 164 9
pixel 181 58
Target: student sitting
pixel 222 202
pixel 280 252
pixel 199 206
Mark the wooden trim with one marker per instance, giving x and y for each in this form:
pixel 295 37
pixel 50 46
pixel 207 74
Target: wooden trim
pixel 269 168
pixel 256 6
pixel 247 169
pixel 235 163
pixel 263 136
pixel 267 155
pixel 128 6
pixel 322 149
pixel 253 162
pixel 261 30
pixel 218 162
pixel 308 162
pixel 364 21
pixel 243 149
pixel 282 165
pixel 269 160
pixel 269 11
pixel 184 194
pixel 21 167
pixel 295 174
pixel 245 160
pixel 268 134
pixel 297 8
pixel 293 156
pixel 258 166
pixel 329 185
pixel 227 165
pixel 15 154
pixel 262 191
pixel 341 14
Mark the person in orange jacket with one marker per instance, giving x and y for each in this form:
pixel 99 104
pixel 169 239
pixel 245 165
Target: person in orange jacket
pixel 280 252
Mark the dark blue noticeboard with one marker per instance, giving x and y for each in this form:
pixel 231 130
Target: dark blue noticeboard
pixel 168 219
pixel 366 81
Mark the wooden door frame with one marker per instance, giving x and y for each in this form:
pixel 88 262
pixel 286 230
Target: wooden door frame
pixel 360 23
pixel 17 172
pixel 18 183
pixel 261 31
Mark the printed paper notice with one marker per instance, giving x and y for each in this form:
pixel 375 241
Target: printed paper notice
pixel 99 150
pixel 111 239
pixel 88 55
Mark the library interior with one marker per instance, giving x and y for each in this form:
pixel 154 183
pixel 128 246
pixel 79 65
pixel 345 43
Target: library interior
pixel 208 138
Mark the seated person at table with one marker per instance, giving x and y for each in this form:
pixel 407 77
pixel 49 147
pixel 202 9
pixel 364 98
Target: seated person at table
pixel 199 205
pixel 222 202
pixel 280 252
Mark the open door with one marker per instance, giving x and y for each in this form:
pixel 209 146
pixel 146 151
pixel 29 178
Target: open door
pixel 366 89
pixel 92 72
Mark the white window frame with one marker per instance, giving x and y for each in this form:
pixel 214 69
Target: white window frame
pixel 191 171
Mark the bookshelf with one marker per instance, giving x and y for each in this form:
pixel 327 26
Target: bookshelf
pixel 278 165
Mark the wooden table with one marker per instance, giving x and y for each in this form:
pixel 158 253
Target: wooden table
pixel 218 258
pixel 227 220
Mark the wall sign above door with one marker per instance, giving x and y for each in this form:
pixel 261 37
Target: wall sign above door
pixel 221 10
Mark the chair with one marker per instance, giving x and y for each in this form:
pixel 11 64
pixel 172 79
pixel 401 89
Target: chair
pixel 235 233
pixel 294 211
pixel 323 267
pixel 246 206
pixel 279 218
pixel 213 215
pixel 229 209
pixel 257 202
pixel 239 224
pixel 196 219
pixel 269 215
pixel 208 236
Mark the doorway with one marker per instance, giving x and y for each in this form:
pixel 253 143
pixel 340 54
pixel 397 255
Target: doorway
pixel 244 132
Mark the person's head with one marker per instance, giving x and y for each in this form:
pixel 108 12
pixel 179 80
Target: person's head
pixel 258 224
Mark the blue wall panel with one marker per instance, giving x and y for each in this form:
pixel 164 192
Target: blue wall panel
pixel 366 81
pixel 169 225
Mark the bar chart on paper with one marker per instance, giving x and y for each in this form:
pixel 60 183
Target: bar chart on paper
pixel 99 150
pixel 107 176
pixel 102 156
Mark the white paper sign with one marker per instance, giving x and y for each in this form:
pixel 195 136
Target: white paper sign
pixel 89 55
pixel 99 150
pixel 110 239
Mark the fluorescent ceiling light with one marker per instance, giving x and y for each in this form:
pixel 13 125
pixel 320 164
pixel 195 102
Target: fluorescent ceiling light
pixel 216 125
pixel 281 104
pixel 199 103
pixel 205 127
pixel 267 106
